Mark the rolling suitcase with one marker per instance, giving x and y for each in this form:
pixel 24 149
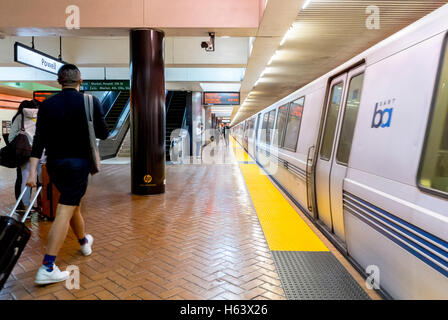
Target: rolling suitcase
pixel 49 196
pixel 14 236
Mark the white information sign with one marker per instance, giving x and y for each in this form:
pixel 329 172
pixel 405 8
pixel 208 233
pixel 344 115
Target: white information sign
pixel 36 59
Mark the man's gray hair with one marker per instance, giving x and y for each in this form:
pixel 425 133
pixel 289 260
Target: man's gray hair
pixel 69 75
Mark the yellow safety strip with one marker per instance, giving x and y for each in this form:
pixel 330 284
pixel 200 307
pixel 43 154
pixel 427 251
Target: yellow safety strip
pixel 283 228
pixel 239 153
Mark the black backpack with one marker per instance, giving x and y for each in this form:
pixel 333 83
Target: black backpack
pixel 18 151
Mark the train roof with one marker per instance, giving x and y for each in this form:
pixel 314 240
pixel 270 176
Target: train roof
pixel 429 26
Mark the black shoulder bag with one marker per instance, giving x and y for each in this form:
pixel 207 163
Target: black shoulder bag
pixel 18 151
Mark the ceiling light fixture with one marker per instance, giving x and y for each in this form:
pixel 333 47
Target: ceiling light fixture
pixel 272 58
pixel 306 4
pixel 287 34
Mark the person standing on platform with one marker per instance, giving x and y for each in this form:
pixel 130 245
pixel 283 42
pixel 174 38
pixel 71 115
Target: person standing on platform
pixel 221 130
pixel 62 130
pixel 226 133
pixel 27 113
pixel 218 133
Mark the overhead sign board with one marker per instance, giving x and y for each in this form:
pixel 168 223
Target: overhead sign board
pixel 105 85
pixel 34 58
pixel 221 98
pixel 43 95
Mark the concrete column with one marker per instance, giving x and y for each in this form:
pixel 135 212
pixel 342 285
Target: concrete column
pixel 147 111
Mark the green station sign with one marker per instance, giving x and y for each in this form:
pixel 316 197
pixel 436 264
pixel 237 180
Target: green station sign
pixel 105 85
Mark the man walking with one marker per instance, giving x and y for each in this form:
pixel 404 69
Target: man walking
pixel 62 131
pixel 226 133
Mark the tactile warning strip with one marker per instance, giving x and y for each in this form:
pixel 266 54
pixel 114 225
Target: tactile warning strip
pixel 283 228
pixel 315 276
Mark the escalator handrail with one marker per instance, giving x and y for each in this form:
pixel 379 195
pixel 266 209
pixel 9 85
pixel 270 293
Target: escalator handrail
pixel 124 115
pixel 104 102
pixel 170 97
pixel 184 120
pixel 113 103
pixel 110 147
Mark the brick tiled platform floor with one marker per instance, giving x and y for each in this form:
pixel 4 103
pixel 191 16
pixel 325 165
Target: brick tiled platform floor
pixel 199 240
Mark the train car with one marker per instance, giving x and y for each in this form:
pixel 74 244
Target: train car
pixel 363 151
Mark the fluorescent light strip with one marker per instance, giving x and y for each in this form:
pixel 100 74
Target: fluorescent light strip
pixel 306 4
pixel 272 58
pixel 284 38
pixel 286 35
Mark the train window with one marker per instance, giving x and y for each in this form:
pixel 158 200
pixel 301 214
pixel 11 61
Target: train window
pixel 264 131
pixel 293 126
pixel 250 127
pixel 330 123
pixel 349 120
pixel 434 169
pixel 282 117
pixel 270 128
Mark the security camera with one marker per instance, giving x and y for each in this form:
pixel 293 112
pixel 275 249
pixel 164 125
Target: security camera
pixel 209 45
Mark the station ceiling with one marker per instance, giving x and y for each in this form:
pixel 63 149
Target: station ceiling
pixel 292 46
pixel 323 35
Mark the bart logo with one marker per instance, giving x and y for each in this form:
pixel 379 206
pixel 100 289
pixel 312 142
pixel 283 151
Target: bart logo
pixel 382 117
pixel 147 178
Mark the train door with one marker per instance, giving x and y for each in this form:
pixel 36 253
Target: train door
pixel 245 133
pixel 257 136
pixel 331 167
pixel 251 136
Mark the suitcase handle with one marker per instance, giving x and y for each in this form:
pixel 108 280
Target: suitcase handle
pixel 31 204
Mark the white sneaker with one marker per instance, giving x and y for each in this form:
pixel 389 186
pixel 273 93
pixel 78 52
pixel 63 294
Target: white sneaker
pixel 86 249
pixel 46 277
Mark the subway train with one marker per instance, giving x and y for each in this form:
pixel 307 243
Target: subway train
pixel 363 152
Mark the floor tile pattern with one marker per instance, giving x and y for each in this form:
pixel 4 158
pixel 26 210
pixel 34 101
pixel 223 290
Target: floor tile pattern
pixel 200 240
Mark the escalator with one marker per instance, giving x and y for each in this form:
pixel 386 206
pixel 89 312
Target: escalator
pixel 176 106
pixel 116 105
pixel 116 109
